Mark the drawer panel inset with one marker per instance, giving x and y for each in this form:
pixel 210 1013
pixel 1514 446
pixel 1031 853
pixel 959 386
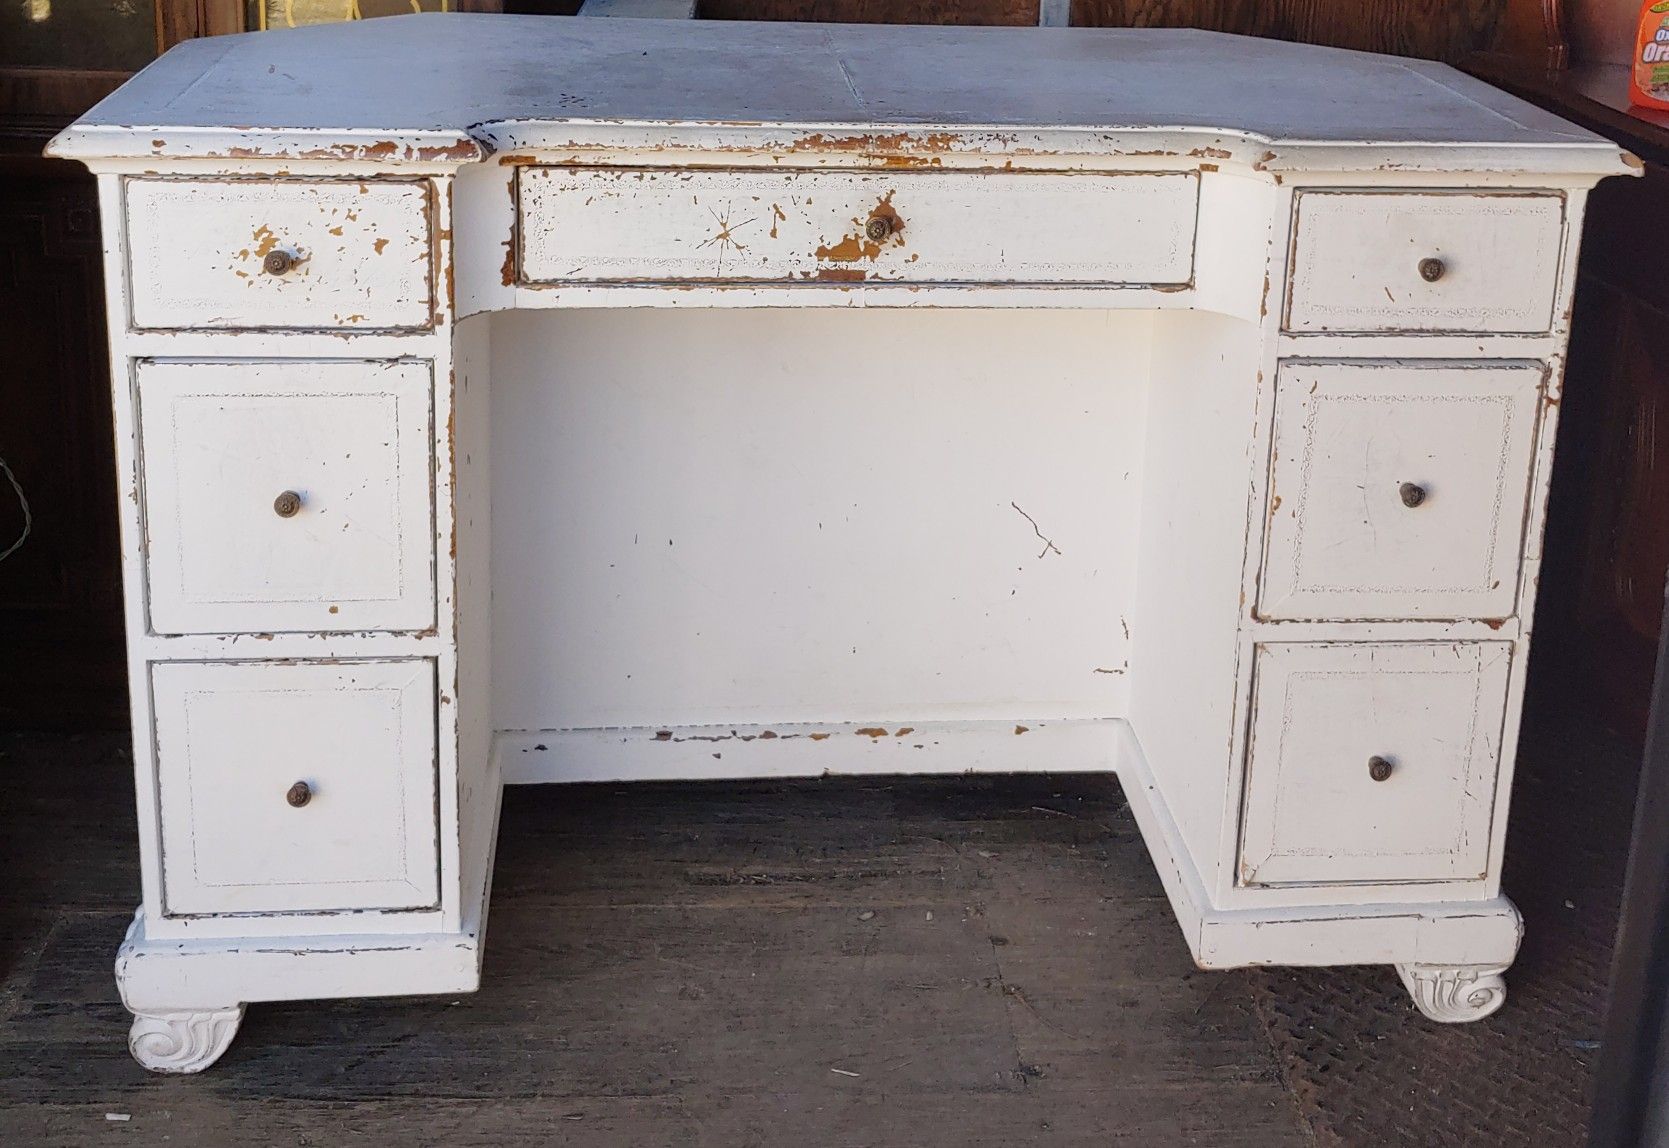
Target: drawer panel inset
pixel 293 496
pixel 296 787
pixel 1455 261
pixel 593 225
pixel 276 254
pixel 1372 762
pixel 1398 491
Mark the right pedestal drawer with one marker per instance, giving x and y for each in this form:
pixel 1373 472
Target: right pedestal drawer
pixel 1373 762
pixel 1425 262
pixel 1398 491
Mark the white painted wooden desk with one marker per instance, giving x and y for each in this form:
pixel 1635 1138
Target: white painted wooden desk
pixel 847 399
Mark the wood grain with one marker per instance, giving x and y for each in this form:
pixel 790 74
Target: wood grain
pixel 1432 29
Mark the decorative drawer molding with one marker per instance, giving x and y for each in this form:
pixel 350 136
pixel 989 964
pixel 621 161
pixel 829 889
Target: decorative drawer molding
pixel 625 225
pixel 235 740
pixel 1373 762
pixel 279 254
pixel 1399 490
pixel 287 496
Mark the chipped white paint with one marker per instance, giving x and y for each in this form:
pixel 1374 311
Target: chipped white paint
pixel 1358 261
pixel 1143 511
pixel 356 737
pixel 624 225
pixel 1398 489
pixel 221 441
pixel 355 255
pixel 1427 714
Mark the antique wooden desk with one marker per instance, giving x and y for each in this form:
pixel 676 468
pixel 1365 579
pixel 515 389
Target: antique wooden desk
pixel 513 399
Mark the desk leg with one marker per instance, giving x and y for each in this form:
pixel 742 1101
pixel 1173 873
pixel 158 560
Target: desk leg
pixel 1454 994
pixel 182 1040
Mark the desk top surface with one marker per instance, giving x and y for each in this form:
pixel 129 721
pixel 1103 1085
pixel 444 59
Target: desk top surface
pixel 460 86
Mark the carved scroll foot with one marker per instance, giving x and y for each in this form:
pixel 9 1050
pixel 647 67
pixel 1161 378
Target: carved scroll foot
pixel 1454 994
pixel 182 1040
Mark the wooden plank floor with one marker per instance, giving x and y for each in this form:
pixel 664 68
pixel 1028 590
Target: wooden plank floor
pixel 920 962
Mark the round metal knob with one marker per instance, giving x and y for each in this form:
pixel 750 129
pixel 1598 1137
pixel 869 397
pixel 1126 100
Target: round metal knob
pixel 299 794
pixel 278 261
pixel 1412 494
pixel 286 504
pixel 878 228
pixel 1431 269
pixel 1379 768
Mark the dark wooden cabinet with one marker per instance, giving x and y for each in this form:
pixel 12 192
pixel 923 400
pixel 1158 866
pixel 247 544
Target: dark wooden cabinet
pixel 60 592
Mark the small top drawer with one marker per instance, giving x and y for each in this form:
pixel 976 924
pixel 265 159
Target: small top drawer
pixel 278 254
pixel 613 225
pixel 1453 261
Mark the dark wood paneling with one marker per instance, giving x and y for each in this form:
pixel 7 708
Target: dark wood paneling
pixel 1608 525
pixel 60 594
pixel 1432 29
pixel 876 11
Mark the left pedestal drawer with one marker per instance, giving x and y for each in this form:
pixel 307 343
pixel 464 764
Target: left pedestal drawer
pixel 294 787
pixel 287 496
pixel 279 254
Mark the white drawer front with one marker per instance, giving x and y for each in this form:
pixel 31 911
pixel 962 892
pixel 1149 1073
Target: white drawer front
pixel 1357 261
pixel 1354 445
pixel 616 225
pixel 358 254
pixel 1314 812
pixel 222 442
pixel 233 740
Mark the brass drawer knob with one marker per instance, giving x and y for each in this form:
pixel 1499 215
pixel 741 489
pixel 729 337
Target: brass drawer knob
pixel 1412 493
pixel 878 228
pixel 278 261
pixel 299 794
pixel 1379 768
pixel 1432 269
pixel 287 504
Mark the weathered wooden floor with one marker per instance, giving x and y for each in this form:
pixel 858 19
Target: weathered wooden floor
pixel 842 963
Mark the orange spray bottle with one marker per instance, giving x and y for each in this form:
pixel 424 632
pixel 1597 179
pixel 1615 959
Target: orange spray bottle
pixel 1648 83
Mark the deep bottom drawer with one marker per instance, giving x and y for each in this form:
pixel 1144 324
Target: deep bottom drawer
pixel 1373 762
pixel 296 787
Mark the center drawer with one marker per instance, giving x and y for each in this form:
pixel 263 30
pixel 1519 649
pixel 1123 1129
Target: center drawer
pixel 613 225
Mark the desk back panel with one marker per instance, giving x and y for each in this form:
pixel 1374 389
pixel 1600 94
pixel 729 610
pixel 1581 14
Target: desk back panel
pixel 814 515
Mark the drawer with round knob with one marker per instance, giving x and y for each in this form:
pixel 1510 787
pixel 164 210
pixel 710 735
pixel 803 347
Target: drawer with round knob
pixel 1372 762
pixel 287 496
pixel 1398 490
pixel 296 787
pixel 279 254
pixel 1424 262
pixel 632 225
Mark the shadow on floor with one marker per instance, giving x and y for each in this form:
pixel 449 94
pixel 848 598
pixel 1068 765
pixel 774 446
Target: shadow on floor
pixel 841 962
